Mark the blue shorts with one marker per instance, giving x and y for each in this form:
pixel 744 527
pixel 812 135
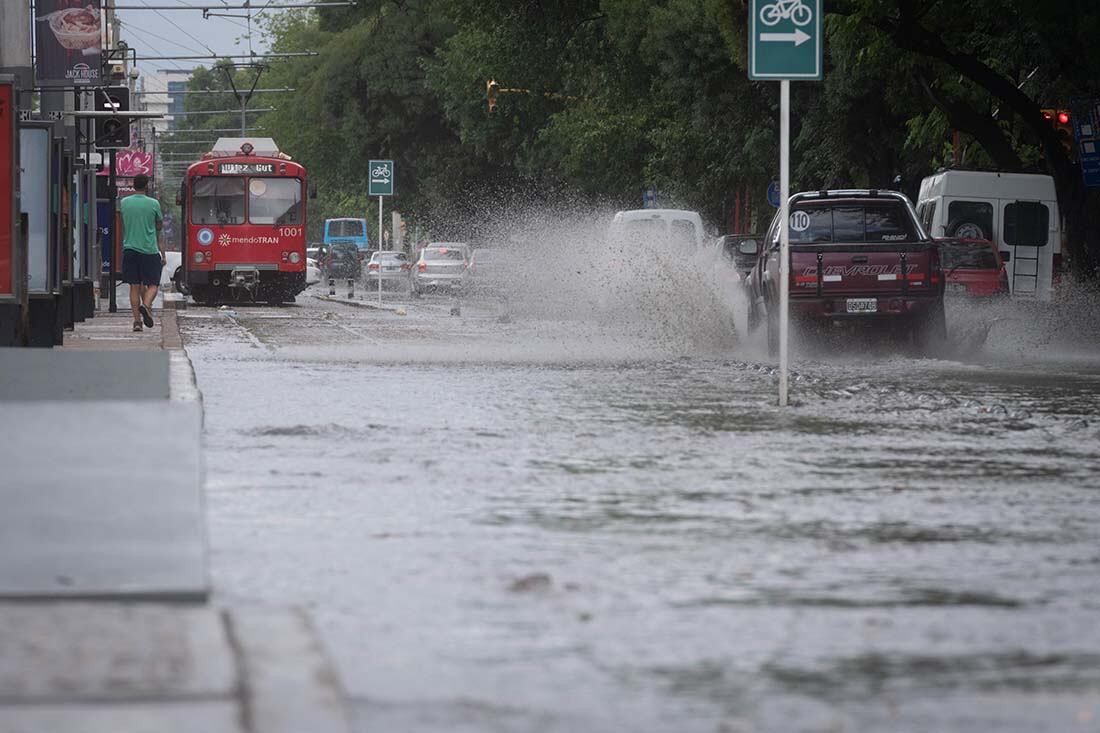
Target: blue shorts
pixel 139 268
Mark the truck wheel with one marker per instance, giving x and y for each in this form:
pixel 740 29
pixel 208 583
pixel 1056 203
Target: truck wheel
pixel 753 316
pixel 930 330
pixel 966 229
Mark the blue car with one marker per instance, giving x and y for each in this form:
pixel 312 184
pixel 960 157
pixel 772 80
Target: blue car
pixel 348 231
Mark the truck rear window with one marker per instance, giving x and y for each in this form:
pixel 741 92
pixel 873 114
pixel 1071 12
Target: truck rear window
pixel 844 223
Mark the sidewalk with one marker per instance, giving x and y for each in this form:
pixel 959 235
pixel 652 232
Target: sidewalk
pixel 106 668
pixel 104 624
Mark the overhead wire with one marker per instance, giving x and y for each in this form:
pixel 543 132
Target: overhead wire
pixel 180 28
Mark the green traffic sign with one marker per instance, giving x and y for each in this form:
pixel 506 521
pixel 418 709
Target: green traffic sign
pixel 381 178
pixel 785 39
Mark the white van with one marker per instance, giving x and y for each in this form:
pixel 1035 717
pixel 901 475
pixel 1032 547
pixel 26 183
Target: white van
pixel 1017 211
pixel 660 224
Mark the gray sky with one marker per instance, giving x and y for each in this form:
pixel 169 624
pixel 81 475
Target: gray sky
pixel 183 33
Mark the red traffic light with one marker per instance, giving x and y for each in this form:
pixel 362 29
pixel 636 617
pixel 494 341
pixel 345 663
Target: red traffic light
pixel 1063 118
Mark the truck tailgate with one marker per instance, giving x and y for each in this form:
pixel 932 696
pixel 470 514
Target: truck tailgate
pixel 863 269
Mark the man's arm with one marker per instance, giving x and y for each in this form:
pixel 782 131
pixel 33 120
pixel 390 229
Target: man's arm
pixel 160 237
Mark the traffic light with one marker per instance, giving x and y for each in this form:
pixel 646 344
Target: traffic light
pixel 1062 122
pixel 491 90
pixel 112 132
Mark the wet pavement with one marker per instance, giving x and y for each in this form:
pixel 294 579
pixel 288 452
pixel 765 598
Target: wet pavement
pixel 501 521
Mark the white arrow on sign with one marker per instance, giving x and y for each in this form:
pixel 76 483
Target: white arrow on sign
pixel 798 37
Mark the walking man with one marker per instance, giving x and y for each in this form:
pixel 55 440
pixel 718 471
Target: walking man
pixel 142 255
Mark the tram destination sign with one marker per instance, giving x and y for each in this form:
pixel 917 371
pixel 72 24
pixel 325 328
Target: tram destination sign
pixel 243 169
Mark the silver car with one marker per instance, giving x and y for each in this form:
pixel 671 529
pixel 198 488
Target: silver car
pixel 392 267
pixel 442 266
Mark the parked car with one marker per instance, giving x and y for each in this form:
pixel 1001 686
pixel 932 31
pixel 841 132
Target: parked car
pixel 342 261
pixel 492 270
pixel 392 267
pixel 659 225
pixel 172 270
pixel 313 271
pixel 856 255
pixel 974 267
pixel 317 252
pixel 741 251
pixel 442 266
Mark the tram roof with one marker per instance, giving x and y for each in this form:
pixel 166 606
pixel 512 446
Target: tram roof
pixel 263 147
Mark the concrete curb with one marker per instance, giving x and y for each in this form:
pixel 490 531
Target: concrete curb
pixel 288 683
pixel 183 385
pixel 359 304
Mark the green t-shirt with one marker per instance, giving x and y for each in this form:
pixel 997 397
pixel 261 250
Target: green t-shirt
pixel 140 215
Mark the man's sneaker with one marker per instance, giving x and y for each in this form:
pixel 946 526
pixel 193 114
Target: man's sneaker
pixel 146 316
pixel 137 326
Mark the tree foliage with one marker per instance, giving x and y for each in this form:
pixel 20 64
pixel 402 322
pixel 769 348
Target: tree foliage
pixel 602 98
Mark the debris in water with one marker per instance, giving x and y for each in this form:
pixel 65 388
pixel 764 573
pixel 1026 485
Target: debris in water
pixel 533 583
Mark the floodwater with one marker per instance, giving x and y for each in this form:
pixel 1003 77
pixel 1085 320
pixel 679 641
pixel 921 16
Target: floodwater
pixel 516 523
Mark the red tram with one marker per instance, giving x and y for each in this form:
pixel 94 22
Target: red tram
pixel 243 210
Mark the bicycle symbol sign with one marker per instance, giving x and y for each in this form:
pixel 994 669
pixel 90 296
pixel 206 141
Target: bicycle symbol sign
pixel 785 39
pixel 381 178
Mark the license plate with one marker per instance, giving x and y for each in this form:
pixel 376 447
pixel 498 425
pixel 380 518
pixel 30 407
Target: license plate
pixel 391 269
pixel 862 305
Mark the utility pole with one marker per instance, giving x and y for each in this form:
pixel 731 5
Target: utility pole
pixel 15 45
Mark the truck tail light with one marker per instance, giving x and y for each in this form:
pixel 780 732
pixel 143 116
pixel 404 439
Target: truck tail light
pixel 422 267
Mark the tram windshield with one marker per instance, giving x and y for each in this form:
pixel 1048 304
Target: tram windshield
pixel 217 200
pixel 275 201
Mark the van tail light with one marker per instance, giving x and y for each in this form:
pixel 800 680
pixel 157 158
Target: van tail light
pixel 372 266
pixel 406 267
pixel 422 267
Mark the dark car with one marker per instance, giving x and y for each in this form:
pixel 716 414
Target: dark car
pixel 342 261
pixel 974 267
pixel 741 250
pixel 856 256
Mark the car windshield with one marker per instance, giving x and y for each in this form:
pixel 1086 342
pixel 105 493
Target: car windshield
pixel 345 252
pixel 968 257
pixel 388 257
pixel 345 228
pixel 444 253
pixel 885 221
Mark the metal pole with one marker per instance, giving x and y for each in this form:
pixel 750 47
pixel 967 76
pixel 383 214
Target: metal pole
pixel 380 250
pixel 112 200
pixel 784 232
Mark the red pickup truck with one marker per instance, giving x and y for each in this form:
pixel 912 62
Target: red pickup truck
pixel 856 255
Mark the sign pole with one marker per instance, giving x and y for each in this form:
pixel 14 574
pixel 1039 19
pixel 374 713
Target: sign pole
pixel 380 250
pixel 112 198
pixel 784 233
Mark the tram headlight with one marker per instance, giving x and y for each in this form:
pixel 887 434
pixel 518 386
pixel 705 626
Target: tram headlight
pixel 199 257
pixel 295 258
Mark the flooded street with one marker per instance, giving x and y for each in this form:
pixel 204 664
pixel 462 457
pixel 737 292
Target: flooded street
pixel 502 522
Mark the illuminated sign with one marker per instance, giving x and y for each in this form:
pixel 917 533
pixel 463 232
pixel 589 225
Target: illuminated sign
pixel 243 169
